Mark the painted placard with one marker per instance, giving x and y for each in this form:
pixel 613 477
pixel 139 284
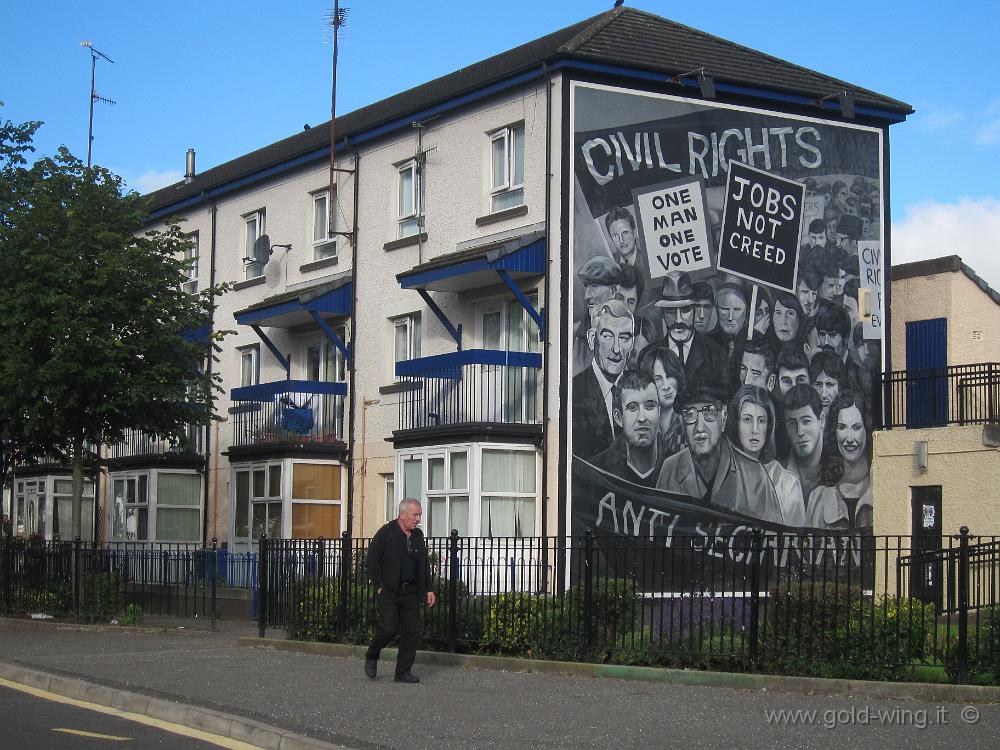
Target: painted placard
pixel 870 265
pixel 673 223
pixel 761 226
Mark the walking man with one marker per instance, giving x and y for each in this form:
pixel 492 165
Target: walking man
pixel 398 567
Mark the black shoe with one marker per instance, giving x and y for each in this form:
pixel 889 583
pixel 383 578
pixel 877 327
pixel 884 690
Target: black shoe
pixel 407 677
pixel 371 668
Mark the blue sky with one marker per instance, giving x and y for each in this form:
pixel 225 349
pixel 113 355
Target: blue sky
pixel 226 78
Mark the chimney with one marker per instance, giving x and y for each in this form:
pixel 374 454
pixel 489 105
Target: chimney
pixel 189 166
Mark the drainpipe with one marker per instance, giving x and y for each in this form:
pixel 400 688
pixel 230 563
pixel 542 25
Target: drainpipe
pixel 546 362
pixel 207 472
pixel 352 384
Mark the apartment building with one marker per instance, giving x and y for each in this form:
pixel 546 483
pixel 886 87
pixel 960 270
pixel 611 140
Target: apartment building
pixel 436 319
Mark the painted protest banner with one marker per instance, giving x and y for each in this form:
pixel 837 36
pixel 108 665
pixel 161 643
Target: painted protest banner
pixel 656 164
pixel 870 259
pixel 673 223
pixel 761 225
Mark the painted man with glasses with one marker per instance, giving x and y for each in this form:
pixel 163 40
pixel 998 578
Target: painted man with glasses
pixel 711 469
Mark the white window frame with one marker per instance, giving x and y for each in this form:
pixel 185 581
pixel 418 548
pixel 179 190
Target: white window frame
pixel 410 214
pixel 391 503
pixel 257 219
pixel 265 499
pixel 289 482
pixel 192 256
pixel 324 246
pixel 474 459
pixel 505 184
pixel 412 323
pixel 148 505
pixel 155 504
pixel 251 351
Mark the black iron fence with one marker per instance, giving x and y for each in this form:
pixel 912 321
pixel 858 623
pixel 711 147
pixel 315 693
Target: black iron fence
pixel 138 443
pixel 473 393
pixel 98 583
pixel 852 606
pixel 957 394
pixel 831 605
pixel 289 418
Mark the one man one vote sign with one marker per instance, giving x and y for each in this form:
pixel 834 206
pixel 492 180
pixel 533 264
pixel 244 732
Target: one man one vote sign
pixel 673 226
pixel 761 226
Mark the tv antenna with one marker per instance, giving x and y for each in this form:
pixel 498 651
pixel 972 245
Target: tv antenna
pixel 94 96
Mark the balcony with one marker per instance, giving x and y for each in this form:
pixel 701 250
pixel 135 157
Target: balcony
pixel 305 415
pixel 954 395
pixel 140 446
pixel 473 389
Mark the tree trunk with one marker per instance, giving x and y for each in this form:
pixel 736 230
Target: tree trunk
pixel 77 486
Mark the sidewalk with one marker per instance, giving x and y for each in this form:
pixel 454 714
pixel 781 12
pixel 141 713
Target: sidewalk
pixel 328 697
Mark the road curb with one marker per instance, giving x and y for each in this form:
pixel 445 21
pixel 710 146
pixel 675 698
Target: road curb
pixel 54 624
pixel 193 717
pixel 922 691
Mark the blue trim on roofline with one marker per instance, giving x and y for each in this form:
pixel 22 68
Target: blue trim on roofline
pixel 433 365
pixel 253 316
pixel 263 392
pixel 489 90
pixel 527 259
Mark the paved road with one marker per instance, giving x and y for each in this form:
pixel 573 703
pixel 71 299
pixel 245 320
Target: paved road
pixel 34 723
pixel 329 698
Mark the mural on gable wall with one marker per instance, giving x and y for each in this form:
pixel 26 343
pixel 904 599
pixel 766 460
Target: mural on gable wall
pixel 721 368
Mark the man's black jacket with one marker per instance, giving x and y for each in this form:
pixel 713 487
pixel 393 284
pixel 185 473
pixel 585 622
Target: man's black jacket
pixel 385 558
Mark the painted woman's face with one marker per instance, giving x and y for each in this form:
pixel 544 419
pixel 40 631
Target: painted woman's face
pixel 851 436
pixel 666 387
pixel 753 428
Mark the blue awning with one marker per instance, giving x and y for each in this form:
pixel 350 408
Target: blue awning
pixel 450 365
pixel 265 392
pixel 520 257
pixel 330 300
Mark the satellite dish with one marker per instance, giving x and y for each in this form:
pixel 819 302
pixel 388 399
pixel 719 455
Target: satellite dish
pixel 262 251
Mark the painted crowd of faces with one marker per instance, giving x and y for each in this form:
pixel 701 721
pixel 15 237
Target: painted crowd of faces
pixel 816 450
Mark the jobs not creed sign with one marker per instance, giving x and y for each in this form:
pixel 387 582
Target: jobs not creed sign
pixel 761 226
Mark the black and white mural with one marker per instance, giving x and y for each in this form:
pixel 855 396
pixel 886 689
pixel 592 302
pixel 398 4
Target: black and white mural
pixel 721 365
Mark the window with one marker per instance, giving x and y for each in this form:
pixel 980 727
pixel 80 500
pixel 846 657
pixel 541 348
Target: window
pixel 406 337
pixel 324 244
pixel 411 199
pixel 178 507
pixel 252 231
pixel 258 501
pixel 390 497
pixel 62 510
pixel 448 493
pixel 507 493
pixel 507 168
pixel 316 500
pixel 249 365
pixel 191 258
pixel 130 495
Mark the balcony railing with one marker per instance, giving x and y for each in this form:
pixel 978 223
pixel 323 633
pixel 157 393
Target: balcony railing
pixel 288 412
pixel 958 394
pixel 462 388
pixel 136 444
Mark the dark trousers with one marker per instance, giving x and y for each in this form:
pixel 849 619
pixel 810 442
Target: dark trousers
pixel 397 613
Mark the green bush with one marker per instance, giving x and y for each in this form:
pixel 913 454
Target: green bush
pixel 133 615
pixel 468 623
pixel 100 596
pixel 51 598
pixel 511 621
pixel 315 609
pixel 833 630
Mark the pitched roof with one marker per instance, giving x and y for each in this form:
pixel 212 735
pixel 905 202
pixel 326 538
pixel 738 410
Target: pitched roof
pixel 945 264
pixel 624 37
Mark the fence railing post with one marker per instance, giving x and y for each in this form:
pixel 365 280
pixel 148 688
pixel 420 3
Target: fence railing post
pixel 215 577
pixel 963 604
pixel 345 580
pixel 453 579
pixel 588 589
pixel 262 586
pixel 5 571
pixel 76 578
pixel 320 557
pixel 755 547
pixel 990 399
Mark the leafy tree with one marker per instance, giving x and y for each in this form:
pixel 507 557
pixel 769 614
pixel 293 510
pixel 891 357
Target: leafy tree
pixel 94 326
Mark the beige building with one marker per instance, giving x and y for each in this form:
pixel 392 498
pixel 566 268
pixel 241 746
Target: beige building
pixel 938 466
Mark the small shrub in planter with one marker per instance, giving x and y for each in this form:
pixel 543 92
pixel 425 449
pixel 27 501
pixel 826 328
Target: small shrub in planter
pixel 512 621
pixel 315 611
